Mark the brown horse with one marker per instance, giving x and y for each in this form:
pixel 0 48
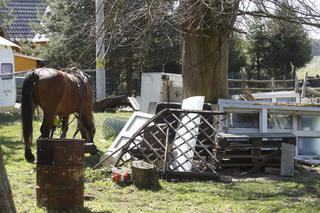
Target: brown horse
pixel 58 94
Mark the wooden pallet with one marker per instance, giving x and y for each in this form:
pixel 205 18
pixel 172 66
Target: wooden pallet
pixel 252 150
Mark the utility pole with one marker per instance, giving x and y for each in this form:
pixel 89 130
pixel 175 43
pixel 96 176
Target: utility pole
pixel 100 51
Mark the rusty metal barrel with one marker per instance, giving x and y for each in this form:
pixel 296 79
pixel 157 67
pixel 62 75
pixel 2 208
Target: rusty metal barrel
pixel 60 173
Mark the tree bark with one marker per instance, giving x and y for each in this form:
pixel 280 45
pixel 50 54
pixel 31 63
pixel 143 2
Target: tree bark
pixel 205 66
pixel 144 175
pixel 6 200
pixel 207 28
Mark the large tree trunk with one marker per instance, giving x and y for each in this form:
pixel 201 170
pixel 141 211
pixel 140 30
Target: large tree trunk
pixel 207 27
pixel 205 66
pixel 6 200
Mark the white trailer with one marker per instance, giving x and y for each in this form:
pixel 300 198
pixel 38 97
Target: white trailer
pixel 7 79
pixel 159 87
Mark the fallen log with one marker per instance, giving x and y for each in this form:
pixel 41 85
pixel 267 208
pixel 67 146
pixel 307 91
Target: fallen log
pixel 111 102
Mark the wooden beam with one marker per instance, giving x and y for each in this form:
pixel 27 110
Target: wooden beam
pixel 313 91
pixel 304 86
pixel 255 135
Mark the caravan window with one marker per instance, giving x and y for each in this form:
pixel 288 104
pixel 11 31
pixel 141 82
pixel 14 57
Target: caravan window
pixel 6 68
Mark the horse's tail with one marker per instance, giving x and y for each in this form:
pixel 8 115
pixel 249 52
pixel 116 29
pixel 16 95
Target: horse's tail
pixel 27 104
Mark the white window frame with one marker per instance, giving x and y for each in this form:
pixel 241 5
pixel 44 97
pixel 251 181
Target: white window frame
pixel 237 106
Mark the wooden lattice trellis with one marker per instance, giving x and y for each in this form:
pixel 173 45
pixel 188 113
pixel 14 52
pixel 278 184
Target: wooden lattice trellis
pixel 176 141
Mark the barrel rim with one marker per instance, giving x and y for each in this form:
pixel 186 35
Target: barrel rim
pixel 55 140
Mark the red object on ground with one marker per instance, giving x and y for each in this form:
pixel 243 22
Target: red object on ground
pixel 121 175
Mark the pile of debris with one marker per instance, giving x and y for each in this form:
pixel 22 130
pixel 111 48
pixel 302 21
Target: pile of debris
pixel 179 142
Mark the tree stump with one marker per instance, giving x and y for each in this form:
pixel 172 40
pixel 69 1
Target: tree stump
pixel 144 175
pixel 6 200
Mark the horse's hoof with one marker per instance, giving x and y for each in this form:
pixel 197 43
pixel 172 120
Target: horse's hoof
pixel 90 148
pixel 29 156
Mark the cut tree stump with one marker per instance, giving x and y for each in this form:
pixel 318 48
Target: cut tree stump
pixel 6 200
pixel 144 175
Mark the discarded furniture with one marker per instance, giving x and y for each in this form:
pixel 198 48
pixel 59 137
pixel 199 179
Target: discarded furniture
pixel 135 122
pixel 257 150
pixel 300 119
pixel 279 97
pixel 154 143
pixel 159 87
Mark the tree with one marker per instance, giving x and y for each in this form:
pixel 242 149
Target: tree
pixel 69 25
pixel 6 200
pixel 289 43
pixel 5 14
pixel 237 55
pixel 206 27
pixel 139 43
pixel 258 47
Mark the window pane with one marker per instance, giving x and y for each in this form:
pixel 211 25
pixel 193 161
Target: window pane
pixel 264 100
pixel 244 120
pixel 309 123
pixel 6 68
pixel 279 121
pixel 287 100
pixel 309 146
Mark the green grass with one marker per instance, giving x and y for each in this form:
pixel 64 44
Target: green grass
pixel 299 194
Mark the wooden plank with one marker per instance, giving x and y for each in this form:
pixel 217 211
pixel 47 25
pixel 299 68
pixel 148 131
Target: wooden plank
pixel 249 148
pixel 313 91
pixel 287 159
pixel 246 156
pixel 261 81
pixel 264 89
pixel 255 135
pixel 304 85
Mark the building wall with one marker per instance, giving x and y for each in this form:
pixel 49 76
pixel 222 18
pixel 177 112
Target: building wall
pixel 22 63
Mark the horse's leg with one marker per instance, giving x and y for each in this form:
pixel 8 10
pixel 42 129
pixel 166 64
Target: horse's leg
pixel 65 126
pixel 88 123
pixel 91 130
pixel 82 129
pixel 46 124
pixel 28 141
